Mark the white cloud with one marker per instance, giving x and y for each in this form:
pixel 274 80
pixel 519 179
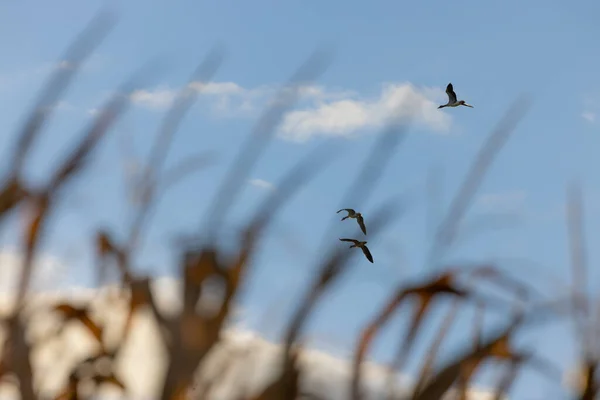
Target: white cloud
pixel 231 98
pixel 324 111
pixel 93 112
pixel 47 271
pixel 160 98
pixel 217 88
pixel 591 107
pixel 324 374
pixel 589 116
pixel 141 364
pixel 225 97
pixel 346 116
pixel 262 184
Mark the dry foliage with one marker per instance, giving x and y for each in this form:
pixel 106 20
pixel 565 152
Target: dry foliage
pixel 190 335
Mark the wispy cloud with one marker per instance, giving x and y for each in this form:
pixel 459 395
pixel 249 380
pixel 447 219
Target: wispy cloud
pixel 322 111
pixel 347 116
pixel 218 88
pixel 262 184
pixel 157 99
pixel 225 97
pixel 231 97
pixel 93 112
pixel 591 107
pixel 589 116
pixel 25 74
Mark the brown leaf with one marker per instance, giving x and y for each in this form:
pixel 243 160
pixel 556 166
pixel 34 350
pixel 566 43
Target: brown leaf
pixel 106 247
pixel 194 334
pixel 441 285
pixel 110 379
pixel 69 392
pixel 507 379
pixel 16 357
pixel 80 314
pixel 425 373
pixel 466 363
pixel 11 194
pixel 590 389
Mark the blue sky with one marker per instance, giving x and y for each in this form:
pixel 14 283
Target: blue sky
pixel 385 52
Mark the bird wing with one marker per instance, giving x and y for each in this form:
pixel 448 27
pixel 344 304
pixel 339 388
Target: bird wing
pixel 365 250
pixel 450 93
pixel 350 240
pixel 361 223
pixel 349 210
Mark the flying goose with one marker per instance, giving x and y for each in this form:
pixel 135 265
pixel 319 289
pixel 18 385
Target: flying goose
pixel 452 102
pixel 362 245
pixel 358 216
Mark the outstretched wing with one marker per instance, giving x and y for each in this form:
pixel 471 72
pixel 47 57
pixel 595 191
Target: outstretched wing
pixel 450 93
pixel 361 223
pixel 349 210
pixel 365 250
pixel 349 240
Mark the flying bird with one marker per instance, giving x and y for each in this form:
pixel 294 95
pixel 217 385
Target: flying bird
pixel 362 245
pixel 358 216
pixel 452 101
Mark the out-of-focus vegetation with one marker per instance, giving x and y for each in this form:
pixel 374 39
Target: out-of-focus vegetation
pixel 190 335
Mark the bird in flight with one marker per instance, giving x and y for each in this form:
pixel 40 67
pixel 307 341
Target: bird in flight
pixel 452 101
pixel 358 216
pixel 362 245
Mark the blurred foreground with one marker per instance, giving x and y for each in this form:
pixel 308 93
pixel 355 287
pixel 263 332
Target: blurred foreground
pixel 168 339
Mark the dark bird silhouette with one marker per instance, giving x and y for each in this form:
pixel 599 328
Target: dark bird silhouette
pixel 452 101
pixel 362 245
pixel 357 216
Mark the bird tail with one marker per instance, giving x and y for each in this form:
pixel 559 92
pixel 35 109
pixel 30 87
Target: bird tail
pixel 441 107
pixel 344 218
